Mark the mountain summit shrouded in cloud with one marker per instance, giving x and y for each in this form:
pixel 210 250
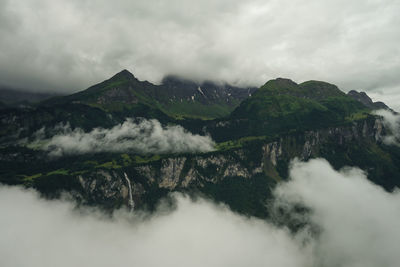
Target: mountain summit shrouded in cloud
pixel 67 45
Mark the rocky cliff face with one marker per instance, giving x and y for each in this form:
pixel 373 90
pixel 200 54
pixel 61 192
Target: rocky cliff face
pixel 182 172
pixel 206 92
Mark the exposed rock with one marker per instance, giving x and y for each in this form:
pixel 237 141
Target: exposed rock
pixel 102 185
pixel 236 169
pixel 272 151
pixel 170 172
pixel 217 160
pixel 190 177
pixel 147 171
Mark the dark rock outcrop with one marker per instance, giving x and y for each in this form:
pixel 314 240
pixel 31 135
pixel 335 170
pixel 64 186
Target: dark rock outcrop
pixel 367 101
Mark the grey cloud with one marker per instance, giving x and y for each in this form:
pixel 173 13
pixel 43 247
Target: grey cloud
pixel 357 219
pixel 69 45
pixel 37 233
pixel 146 136
pixel 389 95
pixel 358 224
pixel 392 124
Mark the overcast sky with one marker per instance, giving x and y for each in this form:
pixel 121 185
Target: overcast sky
pixel 69 45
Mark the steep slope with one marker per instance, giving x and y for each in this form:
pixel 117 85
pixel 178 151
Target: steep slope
pixel 122 92
pixel 205 100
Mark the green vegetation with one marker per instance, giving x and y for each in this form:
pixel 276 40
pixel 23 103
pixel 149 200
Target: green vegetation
pixel 29 179
pixel 109 165
pixel 281 106
pixel 144 159
pixel 239 143
pixel 59 171
pixel 248 197
pixel 198 110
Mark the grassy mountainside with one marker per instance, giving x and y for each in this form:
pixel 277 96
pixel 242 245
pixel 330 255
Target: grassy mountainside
pixel 285 100
pixel 282 106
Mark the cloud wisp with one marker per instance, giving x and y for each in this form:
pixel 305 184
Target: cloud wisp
pixel 391 122
pixel 144 137
pixel 357 222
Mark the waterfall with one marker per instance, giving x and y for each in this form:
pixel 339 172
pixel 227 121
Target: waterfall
pixel 131 203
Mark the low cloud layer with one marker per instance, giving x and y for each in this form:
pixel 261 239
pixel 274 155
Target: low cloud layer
pixel 69 45
pixel 146 136
pixel 41 233
pixel 357 222
pixel 391 122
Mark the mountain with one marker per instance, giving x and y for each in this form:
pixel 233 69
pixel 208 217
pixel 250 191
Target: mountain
pixel 255 142
pixel 205 100
pixel 283 99
pixel 175 97
pixel 367 101
pixel 281 105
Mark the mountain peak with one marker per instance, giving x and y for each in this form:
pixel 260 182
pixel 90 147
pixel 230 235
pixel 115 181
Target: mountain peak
pixel 282 82
pixel 123 74
pixel 279 85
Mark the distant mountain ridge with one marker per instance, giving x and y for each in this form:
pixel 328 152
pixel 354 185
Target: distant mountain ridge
pixel 366 100
pixel 12 96
pixel 179 97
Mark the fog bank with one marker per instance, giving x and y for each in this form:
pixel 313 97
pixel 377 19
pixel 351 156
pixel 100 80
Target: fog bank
pixel 357 224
